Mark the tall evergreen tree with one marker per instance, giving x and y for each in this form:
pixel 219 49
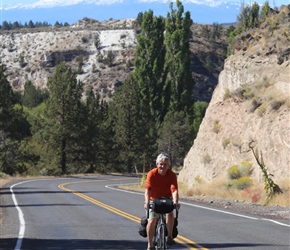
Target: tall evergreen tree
pixel 32 96
pixel 254 15
pixel 175 136
pixel 107 153
pixel 10 130
pixel 8 113
pixel 179 82
pixel 132 133
pixel 92 135
pixel 244 17
pixel 265 10
pixel 63 128
pixel 31 24
pixel 149 64
pixel 6 25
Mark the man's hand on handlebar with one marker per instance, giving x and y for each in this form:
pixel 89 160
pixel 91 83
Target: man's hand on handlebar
pixel 177 206
pixel 146 205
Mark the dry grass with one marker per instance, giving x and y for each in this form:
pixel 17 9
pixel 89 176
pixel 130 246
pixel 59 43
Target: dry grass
pixel 3 182
pixel 256 194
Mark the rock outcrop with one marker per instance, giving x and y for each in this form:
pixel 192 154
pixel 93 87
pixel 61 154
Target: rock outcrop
pixel 249 105
pixel 32 54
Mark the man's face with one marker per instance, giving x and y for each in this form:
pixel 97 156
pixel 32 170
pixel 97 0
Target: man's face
pixel 163 166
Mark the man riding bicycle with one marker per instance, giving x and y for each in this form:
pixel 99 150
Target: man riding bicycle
pixel 161 182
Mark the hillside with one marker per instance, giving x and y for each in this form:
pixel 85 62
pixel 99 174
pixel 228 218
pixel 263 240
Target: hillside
pixel 250 105
pixel 32 54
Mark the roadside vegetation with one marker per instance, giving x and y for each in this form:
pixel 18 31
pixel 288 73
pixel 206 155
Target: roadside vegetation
pixel 218 189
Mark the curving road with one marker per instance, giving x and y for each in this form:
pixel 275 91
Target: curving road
pixel 89 213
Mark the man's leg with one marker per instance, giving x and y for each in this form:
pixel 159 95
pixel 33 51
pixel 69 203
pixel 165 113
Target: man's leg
pixel 170 224
pixel 151 230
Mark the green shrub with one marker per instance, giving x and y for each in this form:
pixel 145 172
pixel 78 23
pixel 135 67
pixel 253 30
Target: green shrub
pixel 262 109
pixel 244 92
pixel 216 127
pixel 226 142
pixel 233 172
pixel 206 158
pixel 241 183
pixel 227 94
pixel 3 175
pixel 254 104
pixel 198 179
pixel 276 104
pixel 244 169
pixel 237 142
pixel 239 175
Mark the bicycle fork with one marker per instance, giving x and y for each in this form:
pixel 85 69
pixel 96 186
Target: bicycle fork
pixel 160 237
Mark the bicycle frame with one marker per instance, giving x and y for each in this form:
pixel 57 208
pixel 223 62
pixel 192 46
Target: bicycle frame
pixel 160 237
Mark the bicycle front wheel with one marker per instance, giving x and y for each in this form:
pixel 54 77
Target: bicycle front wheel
pixel 161 240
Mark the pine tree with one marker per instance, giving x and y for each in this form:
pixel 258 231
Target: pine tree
pixel 10 133
pixel 132 130
pixel 179 82
pixel 92 142
pixel 6 25
pixel 244 17
pixel 63 127
pixel 6 103
pixel 265 10
pixel 31 25
pixel 175 136
pixel 107 154
pixel 254 15
pixel 32 96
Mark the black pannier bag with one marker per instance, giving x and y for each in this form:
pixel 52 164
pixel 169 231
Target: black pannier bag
pixel 142 229
pixel 162 205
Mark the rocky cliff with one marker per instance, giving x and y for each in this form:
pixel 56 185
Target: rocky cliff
pixel 32 54
pixel 249 105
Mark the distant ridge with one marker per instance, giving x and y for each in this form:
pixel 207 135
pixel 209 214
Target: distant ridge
pixel 202 14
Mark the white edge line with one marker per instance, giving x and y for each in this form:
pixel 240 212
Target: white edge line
pixel 113 187
pixel 20 214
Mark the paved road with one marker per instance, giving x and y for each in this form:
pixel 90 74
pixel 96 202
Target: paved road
pixel 88 213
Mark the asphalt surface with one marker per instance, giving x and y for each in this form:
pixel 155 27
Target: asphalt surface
pixel 89 213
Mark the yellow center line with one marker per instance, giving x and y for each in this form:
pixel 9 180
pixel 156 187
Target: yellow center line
pixel 189 244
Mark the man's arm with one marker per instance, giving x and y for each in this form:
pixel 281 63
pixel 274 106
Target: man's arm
pixel 175 197
pixel 146 197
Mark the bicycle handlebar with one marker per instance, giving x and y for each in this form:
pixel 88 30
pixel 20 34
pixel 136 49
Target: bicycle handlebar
pixel 150 206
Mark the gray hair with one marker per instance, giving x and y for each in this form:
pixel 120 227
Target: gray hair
pixel 163 156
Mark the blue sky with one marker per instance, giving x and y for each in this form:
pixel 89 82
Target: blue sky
pixel 202 11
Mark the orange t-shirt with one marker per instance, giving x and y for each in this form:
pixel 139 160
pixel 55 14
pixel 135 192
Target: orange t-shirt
pixel 161 185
